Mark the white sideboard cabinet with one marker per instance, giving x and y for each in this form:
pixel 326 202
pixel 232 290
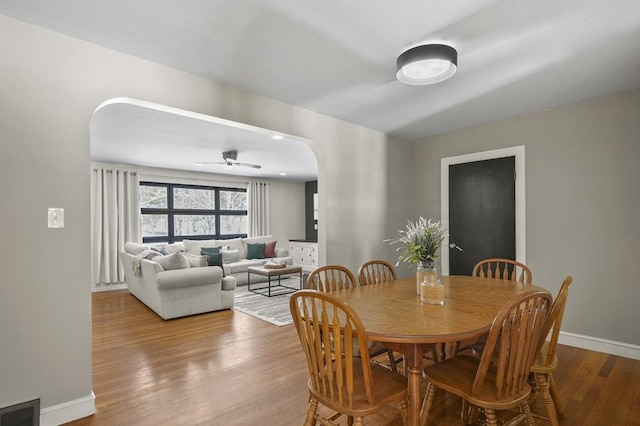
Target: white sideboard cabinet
pixel 304 253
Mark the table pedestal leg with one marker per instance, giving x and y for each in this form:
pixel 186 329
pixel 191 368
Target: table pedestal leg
pixel 413 354
pixel 414 395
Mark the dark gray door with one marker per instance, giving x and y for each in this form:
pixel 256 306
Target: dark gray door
pixel 482 207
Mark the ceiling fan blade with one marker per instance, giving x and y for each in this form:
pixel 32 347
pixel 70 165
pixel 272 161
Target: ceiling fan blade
pixel 210 162
pixel 255 166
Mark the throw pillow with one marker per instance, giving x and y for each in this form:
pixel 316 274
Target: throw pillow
pixel 229 256
pixel 214 255
pixel 209 250
pixel 173 248
pixel 215 259
pixel 255 251
pixel 173 261
pixel 197 261
pixel 160 250
pixel 270 249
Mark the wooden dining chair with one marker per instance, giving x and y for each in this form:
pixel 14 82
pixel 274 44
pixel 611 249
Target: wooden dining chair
pixel 336 277
pixel 376 271
pixel 504 269
pixel 546 362
pixel 349 385
pixel 499 379
pixel 331 277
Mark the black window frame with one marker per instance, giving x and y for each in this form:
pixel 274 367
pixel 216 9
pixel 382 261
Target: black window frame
pixel 171 212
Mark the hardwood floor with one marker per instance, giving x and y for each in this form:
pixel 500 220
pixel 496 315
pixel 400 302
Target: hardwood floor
pixel 228 368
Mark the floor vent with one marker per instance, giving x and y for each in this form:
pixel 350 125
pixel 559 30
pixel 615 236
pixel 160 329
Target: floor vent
pixel 23 414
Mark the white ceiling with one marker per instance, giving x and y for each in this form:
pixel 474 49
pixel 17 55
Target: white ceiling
pixel 338 58
pixel 131 131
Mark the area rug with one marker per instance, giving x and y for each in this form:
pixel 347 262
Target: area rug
pixel 274 309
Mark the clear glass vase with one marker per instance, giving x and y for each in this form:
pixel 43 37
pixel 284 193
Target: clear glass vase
pixel 430 287
pixel 426 271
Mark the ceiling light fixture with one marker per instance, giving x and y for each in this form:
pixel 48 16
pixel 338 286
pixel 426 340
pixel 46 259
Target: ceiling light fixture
pixel 277 137
pixel 427 64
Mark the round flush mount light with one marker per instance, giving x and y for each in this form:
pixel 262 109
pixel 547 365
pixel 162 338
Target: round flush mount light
pixel 427 64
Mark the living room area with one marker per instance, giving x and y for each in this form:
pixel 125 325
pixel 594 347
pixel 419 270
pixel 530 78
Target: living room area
pixel 155 181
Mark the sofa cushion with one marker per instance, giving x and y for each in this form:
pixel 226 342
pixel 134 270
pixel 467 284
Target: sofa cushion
pixel 255 251
pixel 194 246
pixel 281 252
pixel 229 256
pixel 241 266
pixel 173 261
pixel 270 249
pixel 234 244
pixel 174 248
pixel 134 248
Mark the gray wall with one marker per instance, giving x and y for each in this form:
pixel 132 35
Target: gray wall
pixel 50 86
pixel 583 203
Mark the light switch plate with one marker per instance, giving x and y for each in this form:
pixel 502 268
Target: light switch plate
pixel 55 218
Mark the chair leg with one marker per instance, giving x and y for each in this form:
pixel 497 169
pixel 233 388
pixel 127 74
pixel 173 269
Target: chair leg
pixel 490 416
pixel 455 348
pixel 427 403
pixel 528 416
pixel 464 412
pixel 392 361
pixel 311 413
pixel 542 384
pixel 473 414
pixel 555 396
pixel 404 409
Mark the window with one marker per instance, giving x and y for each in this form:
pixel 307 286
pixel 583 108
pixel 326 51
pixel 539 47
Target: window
pixel 172 212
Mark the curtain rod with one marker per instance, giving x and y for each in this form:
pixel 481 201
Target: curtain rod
pixel 117 171
pixel 172 179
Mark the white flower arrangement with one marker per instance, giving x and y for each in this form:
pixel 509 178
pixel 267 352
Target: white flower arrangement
pixel 420 241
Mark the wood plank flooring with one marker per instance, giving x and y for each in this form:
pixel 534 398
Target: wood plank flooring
pixel 228 368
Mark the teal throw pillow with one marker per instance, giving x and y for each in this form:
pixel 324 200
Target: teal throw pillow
pixel 255 251
pixel 209 250
pixel 214 255
pixel 215 259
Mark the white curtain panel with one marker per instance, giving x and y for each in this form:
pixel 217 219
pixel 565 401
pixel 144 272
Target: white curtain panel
pixel 115 219
pixel 258 208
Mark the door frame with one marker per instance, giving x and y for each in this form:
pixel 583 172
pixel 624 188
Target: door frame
pixel 519 153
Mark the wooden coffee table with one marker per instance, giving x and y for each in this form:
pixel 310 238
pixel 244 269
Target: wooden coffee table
pixel 273 272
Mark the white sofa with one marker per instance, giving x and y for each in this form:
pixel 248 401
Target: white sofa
pixel 179 292
pixel 234 255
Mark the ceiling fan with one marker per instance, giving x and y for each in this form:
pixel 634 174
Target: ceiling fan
pixel 229 160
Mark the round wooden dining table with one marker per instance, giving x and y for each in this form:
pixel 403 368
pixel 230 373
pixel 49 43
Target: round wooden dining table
pixel 392 313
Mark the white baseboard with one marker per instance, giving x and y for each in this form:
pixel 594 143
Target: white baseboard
pixel 68 411
pixel 626 350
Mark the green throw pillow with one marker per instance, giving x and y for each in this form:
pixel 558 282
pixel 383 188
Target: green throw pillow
pixel 214 255
pixel 209 250
pixel 215 259
pixel 255 251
